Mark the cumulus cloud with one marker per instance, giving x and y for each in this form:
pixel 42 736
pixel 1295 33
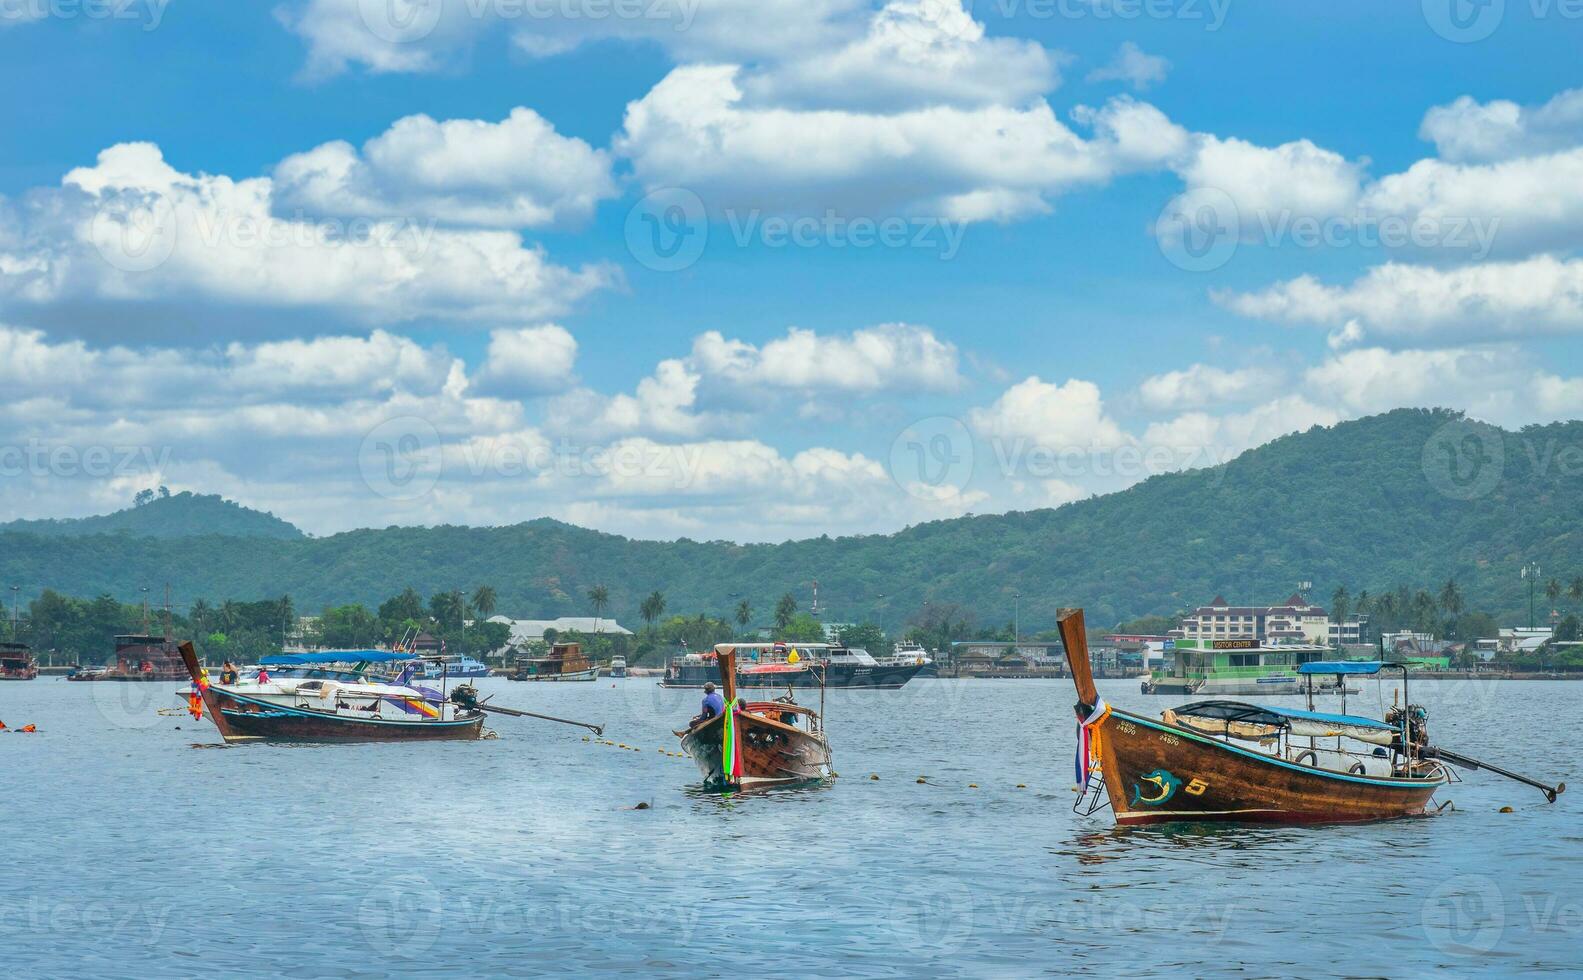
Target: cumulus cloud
pixel 132 229
pixel 528 359
pixel 1133 66
pixel 1070 415
pixel 1296 178
pixel 516 173
pixel 1467 130
pixel 1202 384
pixel 1540 295
pixel 889 356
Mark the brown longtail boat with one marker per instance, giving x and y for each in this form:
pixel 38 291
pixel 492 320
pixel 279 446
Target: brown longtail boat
pixel 1238 762
pixel 756 743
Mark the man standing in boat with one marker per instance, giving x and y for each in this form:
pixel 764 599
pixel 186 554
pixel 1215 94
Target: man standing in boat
pixel 714 704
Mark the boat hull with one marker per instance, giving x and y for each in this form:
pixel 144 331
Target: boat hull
pixel 269 720
pixel 876 678
pixel 1156 773
pixel 772 753
pixel 591 674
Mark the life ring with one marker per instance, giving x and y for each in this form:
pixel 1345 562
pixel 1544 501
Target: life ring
pixel 1313 758
pixel 1357 769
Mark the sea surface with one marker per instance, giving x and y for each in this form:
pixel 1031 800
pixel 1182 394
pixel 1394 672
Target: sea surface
pixel 135 845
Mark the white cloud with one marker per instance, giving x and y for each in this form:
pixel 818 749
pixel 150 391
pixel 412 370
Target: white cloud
pixel 1203 439
pixel 695 130
pixel 516 173
pixel 529 359
pixel 1056 416
pixel 889 356
pixel 1371 380
pixel 915 52
pixel 1202 384
pixel 1540 295
pixel 1133 66
pixel 1267 183
pixel 1470 131
pixel 434 35
pixel 133 229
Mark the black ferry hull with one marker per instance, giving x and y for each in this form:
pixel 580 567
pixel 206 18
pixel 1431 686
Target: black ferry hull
pixel 858 676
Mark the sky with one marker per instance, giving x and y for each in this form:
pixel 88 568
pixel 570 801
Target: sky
pixel 762 269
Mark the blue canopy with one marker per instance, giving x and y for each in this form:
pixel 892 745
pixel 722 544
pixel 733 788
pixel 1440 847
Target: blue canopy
pixel 1298 722
pixel 1341 667
pixel 333 657
pixel 1353 721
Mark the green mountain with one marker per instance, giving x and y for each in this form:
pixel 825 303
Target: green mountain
pixel 1413 496
pixel 183 515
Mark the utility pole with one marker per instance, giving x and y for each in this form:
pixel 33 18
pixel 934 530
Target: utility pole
pixel 16 634
pixel 1016 622
pixel 145 610
pixel 1531 573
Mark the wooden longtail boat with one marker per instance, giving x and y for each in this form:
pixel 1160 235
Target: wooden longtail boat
pixel 565 663
pixel 756 743
pixel 1173 769
pixel 327 710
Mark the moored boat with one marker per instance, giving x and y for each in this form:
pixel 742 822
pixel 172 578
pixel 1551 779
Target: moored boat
pixel 17 663
pixel 1236 667
pixel 138 657
pixel 1222 760
pixel 341 705
pixel 618 666
pixel 798 665
pixel 565 663
pixel 907 653
pixel 756 743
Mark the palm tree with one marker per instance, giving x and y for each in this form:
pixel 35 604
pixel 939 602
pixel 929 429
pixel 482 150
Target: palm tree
pixel 785 609
pixel 1385 605
pixel 652 607
pixel 600 597
pixel 1553 592
pixel 1575 590
pixel 744 615
pixel 1339 601
pixel 484 601
pixel 1451 597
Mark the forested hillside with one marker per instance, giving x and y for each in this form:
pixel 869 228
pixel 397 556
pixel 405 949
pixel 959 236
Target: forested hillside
pixel 1413 497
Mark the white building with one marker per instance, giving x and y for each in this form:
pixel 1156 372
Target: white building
pixel 525 631
pixel 1295 621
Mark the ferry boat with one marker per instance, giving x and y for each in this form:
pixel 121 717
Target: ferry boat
pixel 17 663
pixel 138 657
pixel 565 663
pixel 907 652
pixel 1241 667
pixel 779 665
pixel 618 666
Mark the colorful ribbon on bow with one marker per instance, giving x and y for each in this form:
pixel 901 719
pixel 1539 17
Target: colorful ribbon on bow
pixel 1088 742
pixel 731 743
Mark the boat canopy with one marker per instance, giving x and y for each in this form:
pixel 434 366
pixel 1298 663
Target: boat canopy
pixel 1343 667
pixel 334 657
pixel 1259 722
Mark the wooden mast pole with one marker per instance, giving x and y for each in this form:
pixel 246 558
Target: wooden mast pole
pixel 727 660
pixel 189 657
pixel 1074 637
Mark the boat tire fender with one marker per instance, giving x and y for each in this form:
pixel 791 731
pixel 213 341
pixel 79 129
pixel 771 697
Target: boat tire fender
pixel 1307 757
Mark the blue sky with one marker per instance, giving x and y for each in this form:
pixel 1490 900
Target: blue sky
pixel 396 271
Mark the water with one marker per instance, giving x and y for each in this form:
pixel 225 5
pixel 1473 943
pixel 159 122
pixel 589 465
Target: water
pixel 129 853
